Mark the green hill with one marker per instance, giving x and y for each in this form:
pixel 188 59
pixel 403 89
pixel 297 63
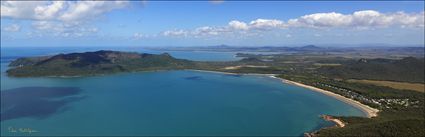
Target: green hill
pixel 93 63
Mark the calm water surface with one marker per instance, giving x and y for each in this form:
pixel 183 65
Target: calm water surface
pixel 162 103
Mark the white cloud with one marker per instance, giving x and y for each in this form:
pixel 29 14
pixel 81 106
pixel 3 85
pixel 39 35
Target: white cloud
pixel 320 20
pixel 238 25
pixel 12 28
pixel 177 33
pixel 198 32
pixel 138 36
pixel 49 11
pixel 20 9
pixel 359 19
pixel 58 10
pixel 233 27
pixel 59 18
pixel 45 25
pixel 82 10
pixel 208 31
pixel 265 24
pixel 62 29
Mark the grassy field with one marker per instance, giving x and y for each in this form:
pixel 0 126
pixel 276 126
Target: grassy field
pixel 396 85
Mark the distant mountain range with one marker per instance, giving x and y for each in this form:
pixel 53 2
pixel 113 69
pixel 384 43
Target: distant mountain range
pixel 289 48
pixel 371 51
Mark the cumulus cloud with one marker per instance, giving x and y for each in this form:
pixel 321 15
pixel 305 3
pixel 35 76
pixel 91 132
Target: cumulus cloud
pixel 48 11
pixel 265 24
pixel 207 31
pixel 176 33
pixel 360 19
pixel 12 28
pixel 58 10
pixel 59 18
pixel 87 9
pixel 62 29
pixel 238 25
pixel 19 9
pixel 138 36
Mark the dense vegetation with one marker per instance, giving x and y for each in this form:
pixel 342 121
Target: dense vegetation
pixel 92 63
pixel 395 118
pixel 380 69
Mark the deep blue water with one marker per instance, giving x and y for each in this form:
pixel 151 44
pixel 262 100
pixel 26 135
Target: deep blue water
pixel 161 103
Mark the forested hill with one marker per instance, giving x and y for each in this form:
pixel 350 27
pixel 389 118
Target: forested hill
pixel 408 69
pixel 91 63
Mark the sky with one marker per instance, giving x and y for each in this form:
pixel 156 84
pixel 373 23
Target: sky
pixel 208 23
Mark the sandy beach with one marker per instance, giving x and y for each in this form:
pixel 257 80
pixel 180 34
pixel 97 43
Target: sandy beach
pixel 338 123
pixel 369 111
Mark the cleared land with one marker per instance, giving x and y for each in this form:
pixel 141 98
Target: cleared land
pixel 392 84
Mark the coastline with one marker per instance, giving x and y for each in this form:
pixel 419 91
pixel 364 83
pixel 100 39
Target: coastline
pixel 211 71
pixel 338 123
pixel 369 111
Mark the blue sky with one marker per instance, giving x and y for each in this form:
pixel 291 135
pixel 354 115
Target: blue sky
pixel 203 23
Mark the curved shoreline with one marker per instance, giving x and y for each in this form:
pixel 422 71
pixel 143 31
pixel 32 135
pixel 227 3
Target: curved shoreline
pixel 367 110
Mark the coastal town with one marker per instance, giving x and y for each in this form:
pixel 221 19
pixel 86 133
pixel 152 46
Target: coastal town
pixel 381 103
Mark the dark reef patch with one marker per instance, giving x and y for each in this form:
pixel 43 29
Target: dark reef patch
pixel 193 78
pixel 233 75
pixel 36 102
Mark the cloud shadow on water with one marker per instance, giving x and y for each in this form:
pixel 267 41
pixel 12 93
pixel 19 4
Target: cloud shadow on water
pixel 36 102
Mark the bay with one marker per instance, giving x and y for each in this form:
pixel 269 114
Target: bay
pixel 163 103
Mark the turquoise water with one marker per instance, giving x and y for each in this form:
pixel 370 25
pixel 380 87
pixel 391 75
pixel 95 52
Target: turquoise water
pixel 163 103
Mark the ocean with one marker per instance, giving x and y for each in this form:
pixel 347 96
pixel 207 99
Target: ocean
pixel 177 103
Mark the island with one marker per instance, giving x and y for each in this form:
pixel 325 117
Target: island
pixel 388 88
pixel 93 63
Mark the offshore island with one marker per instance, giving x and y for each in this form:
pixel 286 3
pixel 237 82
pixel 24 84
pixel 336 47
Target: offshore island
pixel 360 82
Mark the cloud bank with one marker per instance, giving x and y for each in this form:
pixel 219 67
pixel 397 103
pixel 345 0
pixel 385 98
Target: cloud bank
pixel 58 10
pixel 365 19
pixel 58 18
